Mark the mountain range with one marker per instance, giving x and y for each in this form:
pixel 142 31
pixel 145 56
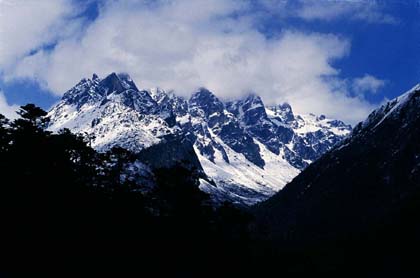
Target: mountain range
pixel 246 151
pixel 352 209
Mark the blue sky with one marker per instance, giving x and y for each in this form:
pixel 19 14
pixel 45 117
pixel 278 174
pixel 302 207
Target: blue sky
pixel 339 58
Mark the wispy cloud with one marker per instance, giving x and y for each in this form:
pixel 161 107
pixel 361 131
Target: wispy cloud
pixel 366 10
pixel 367 84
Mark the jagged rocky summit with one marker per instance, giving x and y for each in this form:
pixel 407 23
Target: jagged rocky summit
pixel 247 150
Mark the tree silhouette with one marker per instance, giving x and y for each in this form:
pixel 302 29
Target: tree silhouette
pixel 33 114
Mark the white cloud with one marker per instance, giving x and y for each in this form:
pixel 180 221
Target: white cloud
pixel 367 84
pixel 183 44
pixel 9 111
pixel 26 25
pixel 366 10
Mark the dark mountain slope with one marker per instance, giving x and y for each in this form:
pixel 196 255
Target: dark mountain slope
pixel 369 183
pixel 357 208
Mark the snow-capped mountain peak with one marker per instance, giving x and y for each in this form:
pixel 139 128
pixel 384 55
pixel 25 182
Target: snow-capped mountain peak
pixel 282 113
pixel 207 102
pixel 247 150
